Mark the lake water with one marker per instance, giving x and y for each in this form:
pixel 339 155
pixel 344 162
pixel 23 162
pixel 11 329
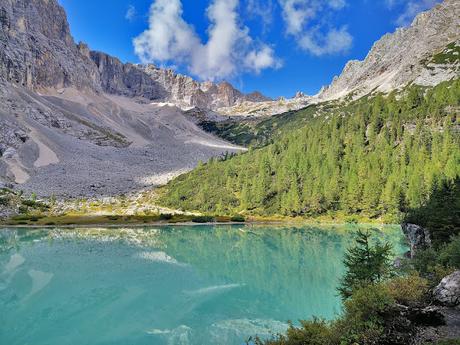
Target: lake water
pixel 168 285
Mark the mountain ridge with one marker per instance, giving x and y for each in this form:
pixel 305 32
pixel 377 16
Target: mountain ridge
pixel 39 52
pixel 394 61
pixel 62 133
pixel 61 103
pixel 397 58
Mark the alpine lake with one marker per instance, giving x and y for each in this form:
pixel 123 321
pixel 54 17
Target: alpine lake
pixel 203 284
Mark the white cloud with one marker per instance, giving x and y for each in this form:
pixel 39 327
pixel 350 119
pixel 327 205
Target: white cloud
pixel 130 13
pixel 296 13
pixel 229 48
pixel 169 37
pixel 262 59
pixel 411 9
pixel 334 42
pixel 318 39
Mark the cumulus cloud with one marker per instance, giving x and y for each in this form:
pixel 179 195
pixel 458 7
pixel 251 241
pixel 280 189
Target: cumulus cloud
pixel 168 36
pixel 262 59
pixel 228 50
pixel 316 38
pixel 411 9
pixel 130 13
pixel 296 13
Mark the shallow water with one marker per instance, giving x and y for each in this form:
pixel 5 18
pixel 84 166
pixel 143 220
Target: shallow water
pixel 168 285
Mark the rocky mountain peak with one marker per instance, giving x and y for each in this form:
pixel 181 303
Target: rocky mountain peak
pixel 299 94
pixel 399 58
pixel 37 49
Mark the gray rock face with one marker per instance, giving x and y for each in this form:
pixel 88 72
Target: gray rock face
pixel 186 92
pixel 401 57
pixel 448 291
pixel 418 237
pixel 126 79
pixel 80 123
pixel 37 50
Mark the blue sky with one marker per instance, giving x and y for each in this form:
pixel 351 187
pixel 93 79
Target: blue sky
pixel 275 46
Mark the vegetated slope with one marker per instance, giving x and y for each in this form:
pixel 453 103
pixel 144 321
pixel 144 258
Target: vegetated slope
pixel 374 157
pixel 260 132
pixel 440 215
pixel 395 61
pixel 440 65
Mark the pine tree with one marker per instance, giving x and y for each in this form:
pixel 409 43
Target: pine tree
pixel 365 264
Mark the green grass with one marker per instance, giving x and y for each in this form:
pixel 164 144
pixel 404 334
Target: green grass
pixel 65 220
pixel 450 55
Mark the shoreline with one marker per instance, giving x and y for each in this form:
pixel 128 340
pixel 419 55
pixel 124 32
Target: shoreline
pixel 181 224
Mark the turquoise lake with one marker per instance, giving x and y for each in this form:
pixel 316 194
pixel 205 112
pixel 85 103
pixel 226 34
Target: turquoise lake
pixel 168 285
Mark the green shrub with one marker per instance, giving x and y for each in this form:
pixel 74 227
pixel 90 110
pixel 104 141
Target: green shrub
pixel 362 321
pixel 165 216
pixel 202 219
pixel 436 264
pixel 4 201
pixel 238 218
pixel 424 261
pixel 351 220
pixel 408 290
pixel 29 203
pixel 314 332
pixel 449 255
pixel 23 209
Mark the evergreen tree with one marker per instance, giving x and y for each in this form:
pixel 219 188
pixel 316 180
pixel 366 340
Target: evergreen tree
pixel 374 157
pixel 365 264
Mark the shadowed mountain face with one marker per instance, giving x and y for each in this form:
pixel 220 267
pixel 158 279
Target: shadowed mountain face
pixel 81 123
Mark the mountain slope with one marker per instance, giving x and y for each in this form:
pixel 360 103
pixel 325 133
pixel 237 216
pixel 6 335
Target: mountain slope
pixel 375 157
pixel 402 57
pixel 259 131
pixel 72 127
pixel 395 60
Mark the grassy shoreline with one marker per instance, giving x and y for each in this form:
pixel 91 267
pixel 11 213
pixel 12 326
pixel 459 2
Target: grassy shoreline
pixel 160 220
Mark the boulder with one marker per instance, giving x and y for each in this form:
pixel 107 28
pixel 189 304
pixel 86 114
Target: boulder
pixel 448 290
pixel 9 152
pixel 418 237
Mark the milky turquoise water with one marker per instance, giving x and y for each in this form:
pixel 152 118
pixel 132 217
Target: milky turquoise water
pixel 167 285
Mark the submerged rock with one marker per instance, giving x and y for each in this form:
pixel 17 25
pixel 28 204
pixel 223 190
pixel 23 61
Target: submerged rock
pixel 448 291
pixel 418 237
